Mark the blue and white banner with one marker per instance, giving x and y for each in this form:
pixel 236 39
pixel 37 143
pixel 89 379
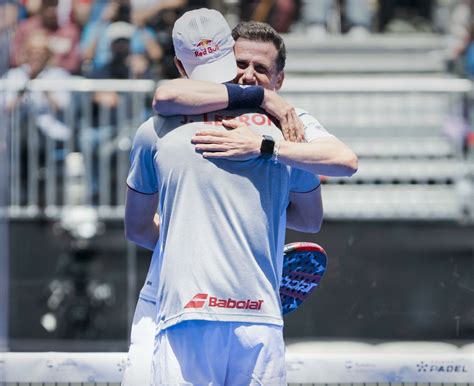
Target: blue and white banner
pixel 386 367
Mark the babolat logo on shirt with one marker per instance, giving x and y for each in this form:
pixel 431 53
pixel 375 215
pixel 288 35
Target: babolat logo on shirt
pixel 201 300
pixel 204 47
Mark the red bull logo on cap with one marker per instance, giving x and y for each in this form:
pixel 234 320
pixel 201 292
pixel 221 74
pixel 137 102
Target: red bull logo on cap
pixel 204 43
pixel 205 47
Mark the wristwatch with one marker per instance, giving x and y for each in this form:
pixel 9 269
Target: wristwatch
pixel 267 146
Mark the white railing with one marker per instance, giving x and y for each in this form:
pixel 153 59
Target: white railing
pixel 364 109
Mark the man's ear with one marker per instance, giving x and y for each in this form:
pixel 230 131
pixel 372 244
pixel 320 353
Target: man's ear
pixel 180 67
pixel 280 79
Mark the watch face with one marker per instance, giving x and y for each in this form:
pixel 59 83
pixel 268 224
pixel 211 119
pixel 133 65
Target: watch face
pixel 266 149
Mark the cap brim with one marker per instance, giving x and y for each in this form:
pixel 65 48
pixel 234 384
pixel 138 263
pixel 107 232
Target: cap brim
pixel 220 71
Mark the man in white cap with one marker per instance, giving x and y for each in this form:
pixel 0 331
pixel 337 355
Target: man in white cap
pixel 218 236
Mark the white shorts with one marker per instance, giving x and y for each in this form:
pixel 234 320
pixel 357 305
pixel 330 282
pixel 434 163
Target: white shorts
pixel 219 354
pixel 140 352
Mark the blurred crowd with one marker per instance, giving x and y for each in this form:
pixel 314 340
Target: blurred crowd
pixel 116 39
pixel 132 38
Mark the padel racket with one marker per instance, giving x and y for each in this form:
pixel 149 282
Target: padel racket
pixel 304 264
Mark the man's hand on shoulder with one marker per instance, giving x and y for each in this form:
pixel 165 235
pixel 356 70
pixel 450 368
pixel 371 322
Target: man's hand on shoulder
pixel 291 125
pixel 238 143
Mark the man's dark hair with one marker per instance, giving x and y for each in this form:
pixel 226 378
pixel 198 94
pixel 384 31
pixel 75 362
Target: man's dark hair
pixel 262 32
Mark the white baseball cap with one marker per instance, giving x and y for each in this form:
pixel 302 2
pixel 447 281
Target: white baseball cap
pixel 119 30
pixel 203 43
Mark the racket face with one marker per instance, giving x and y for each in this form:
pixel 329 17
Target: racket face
pixel 304 264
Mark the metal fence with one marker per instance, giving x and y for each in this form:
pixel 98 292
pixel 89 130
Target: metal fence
pixel 78 155
pixel 406 132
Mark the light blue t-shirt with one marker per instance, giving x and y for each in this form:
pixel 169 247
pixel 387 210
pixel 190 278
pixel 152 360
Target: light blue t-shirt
pixel 219 255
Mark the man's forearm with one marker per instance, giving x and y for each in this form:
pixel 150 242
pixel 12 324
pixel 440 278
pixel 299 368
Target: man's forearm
pixel 145 237
pixel 185 96
pixel 190 97
pixel 152 234
pixel 305 211
pixel 325 156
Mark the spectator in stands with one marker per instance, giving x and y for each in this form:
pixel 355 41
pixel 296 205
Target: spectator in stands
pixel 28 8
pixel 460 55
pixel 80 12
pixel 96 39
pixel 114 106
pixel 47 106
pixel 155 12
pixel 280 14
pixel 469 54
pixel 67 10
pixel 63 40
pixel 337 16
pixel 123 62
pixel 9 11
pixel 161 15
pixel 75 10
pixel 96 9
pixel 406 16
